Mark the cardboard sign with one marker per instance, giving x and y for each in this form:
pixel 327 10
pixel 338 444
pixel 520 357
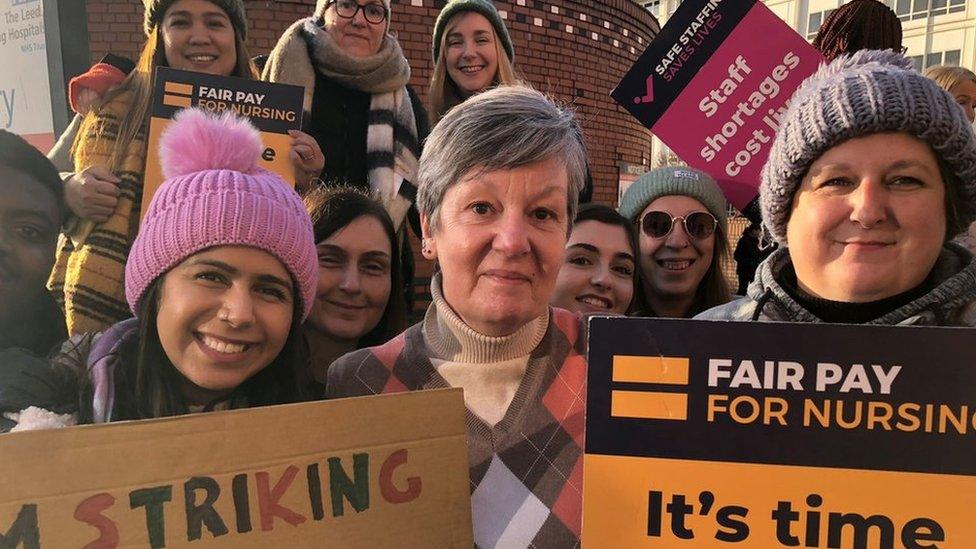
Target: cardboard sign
pixel 714 84
pixel 726 434
pixel 272 108
pixel 386 471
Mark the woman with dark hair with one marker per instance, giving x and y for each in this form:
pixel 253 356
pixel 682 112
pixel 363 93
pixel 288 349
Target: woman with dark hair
pixel 356 302
pixel 220 277
pixel 109 154
pixel 599 272
pixel 680 214
pixel 859 25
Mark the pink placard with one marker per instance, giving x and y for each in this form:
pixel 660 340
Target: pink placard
pixel 724 121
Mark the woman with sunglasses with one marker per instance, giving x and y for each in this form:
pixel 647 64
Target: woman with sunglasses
pixel 680 216
pixel 869 179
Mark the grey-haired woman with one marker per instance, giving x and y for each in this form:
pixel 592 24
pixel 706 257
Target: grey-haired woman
pixel 499 182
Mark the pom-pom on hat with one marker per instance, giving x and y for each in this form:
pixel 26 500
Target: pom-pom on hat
pixel 216 194
pixel 871 91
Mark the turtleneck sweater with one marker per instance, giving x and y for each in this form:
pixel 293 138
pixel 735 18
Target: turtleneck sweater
pixel 525 397
pixel 489 369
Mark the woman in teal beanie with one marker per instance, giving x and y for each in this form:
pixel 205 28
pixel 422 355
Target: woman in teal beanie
pixel 472 52
pixel 680 216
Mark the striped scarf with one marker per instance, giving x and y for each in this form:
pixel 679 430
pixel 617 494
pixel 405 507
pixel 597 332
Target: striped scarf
pixel 392 145
pixel 88 276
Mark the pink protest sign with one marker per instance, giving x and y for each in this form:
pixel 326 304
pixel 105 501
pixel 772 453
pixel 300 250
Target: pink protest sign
pixel 714 84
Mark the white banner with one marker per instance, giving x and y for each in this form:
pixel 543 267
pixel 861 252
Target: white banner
pixel 25 93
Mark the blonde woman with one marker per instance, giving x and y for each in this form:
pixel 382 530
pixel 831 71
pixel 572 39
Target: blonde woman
pixel 960 82
pixel 472 52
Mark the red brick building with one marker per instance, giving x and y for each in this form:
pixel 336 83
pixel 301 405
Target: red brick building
pixel 576 50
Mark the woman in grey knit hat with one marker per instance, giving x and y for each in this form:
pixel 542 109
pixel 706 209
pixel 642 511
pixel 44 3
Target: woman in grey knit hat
pixel 872 174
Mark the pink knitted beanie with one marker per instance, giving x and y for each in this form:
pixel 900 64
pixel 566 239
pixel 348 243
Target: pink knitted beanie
pixel 215 194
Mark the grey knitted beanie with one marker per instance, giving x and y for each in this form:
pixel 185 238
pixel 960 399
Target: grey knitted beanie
pixel 156 9
pixel 868 92
pixel 485 8
pixel 671 181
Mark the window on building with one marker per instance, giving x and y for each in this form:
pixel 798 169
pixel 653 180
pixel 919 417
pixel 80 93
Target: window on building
pixel 951 57
pixel 653 6
pixel 815 21
pixel 908 10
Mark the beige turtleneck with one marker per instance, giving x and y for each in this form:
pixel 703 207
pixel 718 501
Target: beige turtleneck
pixel 489 369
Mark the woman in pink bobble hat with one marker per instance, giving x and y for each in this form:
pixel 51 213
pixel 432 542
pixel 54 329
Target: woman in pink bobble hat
pixel 220 278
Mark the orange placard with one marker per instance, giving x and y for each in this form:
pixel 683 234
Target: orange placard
pixel 771 435
pixel 272 108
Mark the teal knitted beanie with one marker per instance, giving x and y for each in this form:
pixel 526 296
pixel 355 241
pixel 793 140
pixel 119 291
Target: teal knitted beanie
pixel 671 181
pixel 485 8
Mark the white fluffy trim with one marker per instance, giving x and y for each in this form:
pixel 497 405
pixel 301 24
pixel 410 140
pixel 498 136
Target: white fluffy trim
pixel 34 419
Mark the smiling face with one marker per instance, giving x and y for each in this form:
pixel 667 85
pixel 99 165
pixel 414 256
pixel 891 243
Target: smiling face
pixel 356 36
pixel 471 53
pixel 224 315
pixel 198 36
pixel 674 265
pixel 868 221
pixel 965 94
pixel 354 280
pixel 598 273
pixel 28 237
pixel 499 241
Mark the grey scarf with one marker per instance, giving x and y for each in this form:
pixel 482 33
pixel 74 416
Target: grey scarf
pixel 391 140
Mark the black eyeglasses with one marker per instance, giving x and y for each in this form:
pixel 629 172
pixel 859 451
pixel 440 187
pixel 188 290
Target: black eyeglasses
pixel 347 9
pixel 698 225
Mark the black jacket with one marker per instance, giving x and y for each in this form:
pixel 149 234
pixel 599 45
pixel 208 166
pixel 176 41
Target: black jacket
pixel 339 121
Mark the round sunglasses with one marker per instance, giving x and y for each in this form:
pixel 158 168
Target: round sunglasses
pixel 698 225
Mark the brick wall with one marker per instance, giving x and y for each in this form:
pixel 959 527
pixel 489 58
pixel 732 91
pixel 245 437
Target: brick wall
pixel 575 50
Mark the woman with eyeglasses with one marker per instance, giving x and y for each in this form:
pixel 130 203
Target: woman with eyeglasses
pixel 869 179
pixel 368 122
pixel 680 215
pixel 359 109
